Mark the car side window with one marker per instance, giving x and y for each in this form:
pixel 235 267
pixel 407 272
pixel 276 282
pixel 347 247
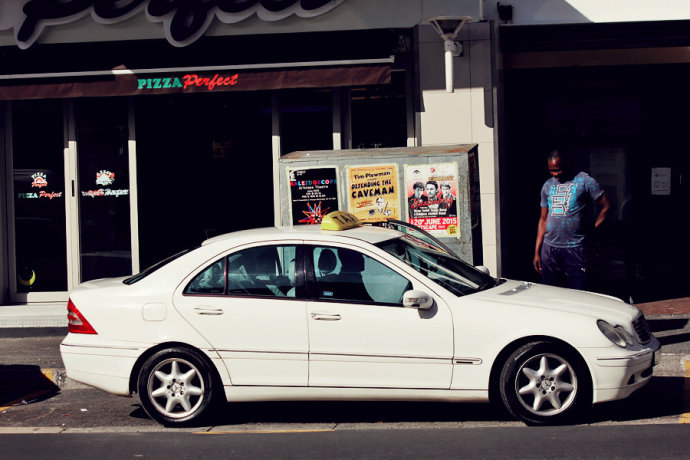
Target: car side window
pixel 262 271
pixel 345 274
pixel 209 281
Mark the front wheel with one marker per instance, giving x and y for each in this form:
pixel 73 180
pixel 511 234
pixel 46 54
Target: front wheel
pixel 176 387
pixel 545 383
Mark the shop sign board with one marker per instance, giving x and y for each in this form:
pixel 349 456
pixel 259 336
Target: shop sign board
pixel 432 197
pixel 313 194
pixel 184 21
pixel 373 192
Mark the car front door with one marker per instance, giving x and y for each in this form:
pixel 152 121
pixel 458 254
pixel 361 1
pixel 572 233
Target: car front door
pixel 249 306
pixel 359 333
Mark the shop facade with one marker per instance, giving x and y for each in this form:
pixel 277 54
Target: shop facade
pixel 132 130
pixel 118 153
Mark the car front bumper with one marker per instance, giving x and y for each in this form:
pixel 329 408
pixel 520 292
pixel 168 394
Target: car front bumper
pixel 617 373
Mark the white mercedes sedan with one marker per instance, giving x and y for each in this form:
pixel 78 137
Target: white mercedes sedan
pixel 349 312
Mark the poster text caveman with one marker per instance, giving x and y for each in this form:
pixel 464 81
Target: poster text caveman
pixel 374 192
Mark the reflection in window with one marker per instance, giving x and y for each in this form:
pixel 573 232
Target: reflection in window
pixel 261 271
pixel 264 271
pixel 344 274
pixel 450 272
pixel 209 281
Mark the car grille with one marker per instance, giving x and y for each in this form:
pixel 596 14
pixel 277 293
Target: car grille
pixel 641 327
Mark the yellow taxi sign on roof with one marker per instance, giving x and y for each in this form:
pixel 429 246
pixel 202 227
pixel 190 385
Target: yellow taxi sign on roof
pixel 339 220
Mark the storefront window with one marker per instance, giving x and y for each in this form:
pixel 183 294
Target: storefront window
pixel 306 120
pixel 379 114
pixel 104 190
pixel 39 196
pixel 204 167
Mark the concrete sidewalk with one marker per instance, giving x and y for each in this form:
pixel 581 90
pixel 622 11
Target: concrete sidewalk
pixel 54 315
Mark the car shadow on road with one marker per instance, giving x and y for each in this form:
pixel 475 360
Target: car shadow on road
pixel 24 384
pixel 336 412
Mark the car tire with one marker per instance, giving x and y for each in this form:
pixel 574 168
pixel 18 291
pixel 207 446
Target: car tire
pixel 545 383
pixel 176 387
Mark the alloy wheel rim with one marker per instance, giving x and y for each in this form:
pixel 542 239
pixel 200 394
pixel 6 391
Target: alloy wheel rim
pixel 546 385
pixel 175 388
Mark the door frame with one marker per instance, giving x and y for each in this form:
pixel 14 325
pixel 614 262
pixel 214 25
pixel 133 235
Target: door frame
pixel 71 186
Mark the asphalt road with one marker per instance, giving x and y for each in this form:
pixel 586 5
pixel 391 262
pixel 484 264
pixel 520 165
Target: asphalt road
pixel 637 441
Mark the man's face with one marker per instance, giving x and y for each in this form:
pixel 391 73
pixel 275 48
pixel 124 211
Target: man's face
pixel 418 192
pixel 446 191
pixel 556 169
pixel 431 190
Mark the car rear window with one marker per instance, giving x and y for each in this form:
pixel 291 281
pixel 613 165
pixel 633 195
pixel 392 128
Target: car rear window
pixel 143 274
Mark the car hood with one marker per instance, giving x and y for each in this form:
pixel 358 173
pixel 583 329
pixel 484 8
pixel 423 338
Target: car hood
pixel 535 295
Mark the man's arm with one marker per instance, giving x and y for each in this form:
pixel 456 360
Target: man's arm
pixel 605 206
pixel 541 229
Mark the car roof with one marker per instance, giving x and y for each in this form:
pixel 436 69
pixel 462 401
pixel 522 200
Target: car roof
pixel 367 233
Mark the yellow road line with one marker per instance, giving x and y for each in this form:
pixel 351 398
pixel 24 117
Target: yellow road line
pixel 685 418
pixel 264 431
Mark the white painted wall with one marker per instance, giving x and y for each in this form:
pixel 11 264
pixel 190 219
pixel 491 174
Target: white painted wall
pixel 465 116
pixel 584 11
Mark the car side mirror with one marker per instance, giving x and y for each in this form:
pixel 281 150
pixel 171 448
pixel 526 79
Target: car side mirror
pixel 417 299
pixel 483 269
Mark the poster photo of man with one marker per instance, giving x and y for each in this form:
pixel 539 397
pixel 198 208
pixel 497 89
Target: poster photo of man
pixel 374 192
pixel 432 197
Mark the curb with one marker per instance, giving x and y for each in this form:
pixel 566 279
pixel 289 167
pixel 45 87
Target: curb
pixel 60 379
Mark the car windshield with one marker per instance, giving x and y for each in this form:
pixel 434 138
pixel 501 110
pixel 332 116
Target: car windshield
pixel 143 274
pixel 448 271
pixel 404 227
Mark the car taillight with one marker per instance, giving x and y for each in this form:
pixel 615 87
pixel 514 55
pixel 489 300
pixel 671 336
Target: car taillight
pixel 76 323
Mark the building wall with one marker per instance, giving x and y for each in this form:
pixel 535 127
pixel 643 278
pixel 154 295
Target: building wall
pixel 585 11
pixel 464 116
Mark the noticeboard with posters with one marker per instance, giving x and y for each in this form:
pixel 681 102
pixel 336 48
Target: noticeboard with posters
pixel 432 197
pixel 373 192
pixel 313 194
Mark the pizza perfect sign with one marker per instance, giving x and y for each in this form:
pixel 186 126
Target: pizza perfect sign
pixel 184 21
pixel 189 81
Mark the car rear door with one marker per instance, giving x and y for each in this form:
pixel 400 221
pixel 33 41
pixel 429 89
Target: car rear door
pixel 249 305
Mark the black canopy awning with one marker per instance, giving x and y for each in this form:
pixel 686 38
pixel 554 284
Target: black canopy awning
pixel 240 63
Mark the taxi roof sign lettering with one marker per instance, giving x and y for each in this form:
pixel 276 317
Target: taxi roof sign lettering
pixel 339 220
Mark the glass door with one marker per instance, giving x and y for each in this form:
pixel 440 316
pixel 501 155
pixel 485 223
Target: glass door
pixel 103 192
pixel 39 250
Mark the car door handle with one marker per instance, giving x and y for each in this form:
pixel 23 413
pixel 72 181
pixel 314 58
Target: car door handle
pixel 326 316
pixel 208 311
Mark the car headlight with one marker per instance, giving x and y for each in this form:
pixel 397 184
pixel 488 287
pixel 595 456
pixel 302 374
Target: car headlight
pixel 617 335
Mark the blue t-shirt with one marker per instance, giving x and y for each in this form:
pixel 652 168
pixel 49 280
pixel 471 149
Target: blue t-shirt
pixel 569 215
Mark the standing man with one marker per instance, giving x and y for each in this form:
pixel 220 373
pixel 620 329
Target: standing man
pixel 560 254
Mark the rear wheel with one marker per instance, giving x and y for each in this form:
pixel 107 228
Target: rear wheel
pixel 545 383
pixel 176 387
